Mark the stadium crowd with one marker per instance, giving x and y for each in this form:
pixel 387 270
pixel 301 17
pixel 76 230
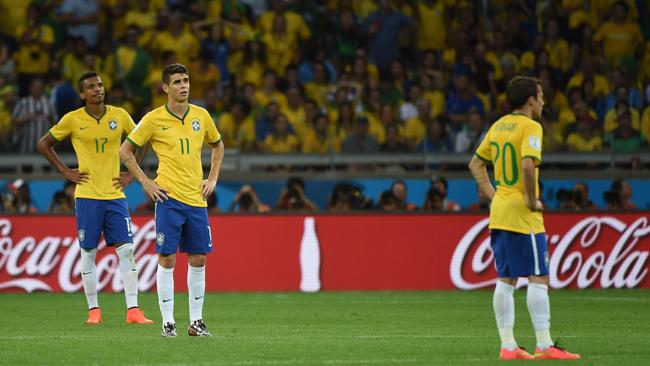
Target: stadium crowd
pixel 333 76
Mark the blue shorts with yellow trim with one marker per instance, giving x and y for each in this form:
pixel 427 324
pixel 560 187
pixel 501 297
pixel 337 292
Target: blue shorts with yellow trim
pixel 108 216
pixel 519 255
pixel 181 226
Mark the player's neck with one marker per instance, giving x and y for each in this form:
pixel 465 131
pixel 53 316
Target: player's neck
pixel 96 110
pixel 178 108
pixel 523 112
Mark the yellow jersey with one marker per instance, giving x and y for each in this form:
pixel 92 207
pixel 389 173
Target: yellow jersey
pixel 96 141
pixel 511 139
pixel 178 140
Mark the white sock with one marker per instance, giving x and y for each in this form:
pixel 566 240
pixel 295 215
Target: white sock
pixel 129 274
pixel 89 276
pixel 196 291
pixel 540 313
pixel 165 286
pixel 503 303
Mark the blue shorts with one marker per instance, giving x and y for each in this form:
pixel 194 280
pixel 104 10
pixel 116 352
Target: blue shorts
pixel 108 216
pixel 519 255
pixel 181 226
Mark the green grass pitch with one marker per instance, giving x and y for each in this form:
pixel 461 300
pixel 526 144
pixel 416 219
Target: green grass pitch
pixel 333 328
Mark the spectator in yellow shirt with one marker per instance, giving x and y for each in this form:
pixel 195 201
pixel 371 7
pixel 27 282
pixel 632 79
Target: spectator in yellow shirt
pixel 280 46
pixel 280 140
pixel 34 42
pixel 269 91
pixel 620 37
pixel 208 72
pixel 557 47
pixel 177 38
pixel 296 26
pixel 237 128
pixel 320 139
pixel 252 67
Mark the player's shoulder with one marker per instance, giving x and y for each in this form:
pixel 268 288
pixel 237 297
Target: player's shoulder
pixel 154 113
pixel 116 110
pixel 197 109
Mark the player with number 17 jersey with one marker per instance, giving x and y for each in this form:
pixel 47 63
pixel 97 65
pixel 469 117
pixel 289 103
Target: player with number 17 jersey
pixel 510 139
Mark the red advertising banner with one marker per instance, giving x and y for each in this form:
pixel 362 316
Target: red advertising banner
pixel 335 252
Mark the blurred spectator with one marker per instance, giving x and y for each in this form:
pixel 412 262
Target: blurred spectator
pixel 436 140
pixel 177 38
pixel 387 202
pixel 384 28
pixel 394 142
pixel 469 138
pixel 237 128
pixel 280 140
pixel 320 139
pixel 34 42
pixel 586 137
pixel 483 203
pixel 415 129
pixel 400 192
pixel 347 197
pixel 293 198
pixel 565 199
pixel 612 200
pixel 620 36
pixel 63 201
pixel 581 197
pixel 433 201
pixel 18 198
pixel 81 18
pixel 625 139
pixel 360 141
pixel 246 200
pixel 461 102
pixel 622 188
pixel 33 116
pixel 440 184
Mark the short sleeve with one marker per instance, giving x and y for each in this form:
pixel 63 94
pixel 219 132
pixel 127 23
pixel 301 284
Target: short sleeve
pixel 484 150
pixel 141 133
pixel 531 142
pixel 62 129
pixel 212 135
pixel 129 125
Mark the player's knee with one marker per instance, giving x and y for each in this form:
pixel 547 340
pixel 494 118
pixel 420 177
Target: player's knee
pixel 167 261
pixel 196 260
pixel 542 280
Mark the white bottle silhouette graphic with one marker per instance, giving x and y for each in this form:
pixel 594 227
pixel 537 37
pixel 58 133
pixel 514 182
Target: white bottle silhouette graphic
pixel 309 258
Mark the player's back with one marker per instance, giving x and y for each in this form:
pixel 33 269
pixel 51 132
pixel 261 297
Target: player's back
pixel 511 139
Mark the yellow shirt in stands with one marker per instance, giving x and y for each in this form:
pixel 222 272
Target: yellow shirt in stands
pixel 601 85
pixel 279 145
pixel 432 32
pixel 558 53
pixel 237 136
pixel 313 144
pixel 262 99
pixel 32 58
pixel 296 26
pixel 511 139
pixel 610 123
pixel 178 141
pixel 619 39
pixel 185 46
pixel 415 130
pixel 577 142
pixel 97 144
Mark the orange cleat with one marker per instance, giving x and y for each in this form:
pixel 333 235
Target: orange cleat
pixel 135 315
pixel 555 353
pixel 94 316
pixel 518 354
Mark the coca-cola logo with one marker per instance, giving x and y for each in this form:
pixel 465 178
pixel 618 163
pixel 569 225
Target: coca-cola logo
pixel 577 258
pixel 28 261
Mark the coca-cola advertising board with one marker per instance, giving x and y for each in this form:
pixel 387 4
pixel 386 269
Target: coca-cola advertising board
pixel 335 252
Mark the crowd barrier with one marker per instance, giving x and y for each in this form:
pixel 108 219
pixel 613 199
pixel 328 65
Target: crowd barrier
pixel 335 252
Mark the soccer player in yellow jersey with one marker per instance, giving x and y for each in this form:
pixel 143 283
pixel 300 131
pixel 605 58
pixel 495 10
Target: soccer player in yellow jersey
pixel 177 132
pixel 513 145
pixel 96 131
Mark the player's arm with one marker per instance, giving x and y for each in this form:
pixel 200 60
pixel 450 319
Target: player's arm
pixel 208 185
pixel 479 172
pixel 528 167
pixel 153 190
pixel 125 178
pixel 46 148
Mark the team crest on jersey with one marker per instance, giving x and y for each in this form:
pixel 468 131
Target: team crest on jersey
pixel 112 124
pixel 160 238
pixel 196 125
pixel 81 234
